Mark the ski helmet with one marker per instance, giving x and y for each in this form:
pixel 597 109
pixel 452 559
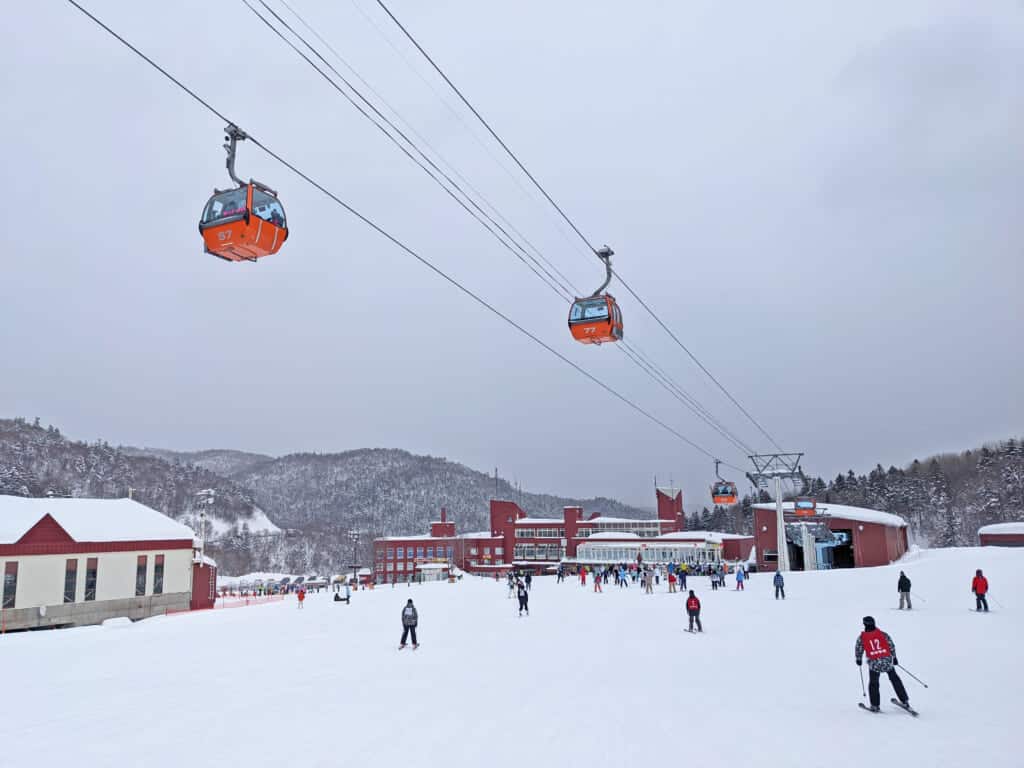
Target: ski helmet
pixel 869 623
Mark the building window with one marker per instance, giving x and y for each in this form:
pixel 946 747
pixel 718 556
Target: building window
pixel 771 556
pixel 91 566
pixel 561 533
pixel 391 566
pixel 70 580
pixel 473 551
pixel 140 576
pixel 391 553
pixel 419 552
pixel 430 553
pixel 401 566
pixel 524 533
pixel 487 550
pixel 450 553
pixel 400 553
pixel 10 584
pixel 499 550
pixel 499 561
pixel 158 575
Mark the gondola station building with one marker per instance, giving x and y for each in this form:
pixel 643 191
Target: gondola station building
pixel 825 536
pixel 1002 535
pixel 540 544
pixel 69 562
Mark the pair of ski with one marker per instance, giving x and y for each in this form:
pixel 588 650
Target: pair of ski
pixel 415 647
pixel 905 707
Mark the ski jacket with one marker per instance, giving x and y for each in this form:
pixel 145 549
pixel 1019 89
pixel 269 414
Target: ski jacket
pixel 740 576
pixel 979 585
pixel 521 592
pixel 302 595
pixel 879 647
pixel 409 616
pixel 903 585
pixel 692 605
pixel 777 581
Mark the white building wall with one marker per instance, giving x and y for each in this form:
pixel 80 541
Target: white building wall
pixel 41 577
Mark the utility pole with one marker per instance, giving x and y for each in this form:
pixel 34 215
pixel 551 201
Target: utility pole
pixel 777 467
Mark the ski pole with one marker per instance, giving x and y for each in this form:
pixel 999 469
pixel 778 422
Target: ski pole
pixel 918 597
pixel 862 691
pixel 1000 605
pixel 922 682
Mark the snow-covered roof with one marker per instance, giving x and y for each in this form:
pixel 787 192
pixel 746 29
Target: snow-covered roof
pixel 611 535
pixel 479 535
pixel 89 519
pixel 415 537
pixel 849 513
pixel 431 566
pixel 1017 528
pixel 541 520
pixel 667 491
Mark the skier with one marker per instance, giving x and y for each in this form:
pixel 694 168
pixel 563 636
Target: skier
pixel 649 582
pixel 693 611
pixel 979 586
pixel 524 598
pixel 529 581
pixel 410 618
pixel 511 584
pixel 780 585
pixel 903 587
pixel 597 582
pixel 740 576
pixel 671 581
pixel 714 581
pixel 881 652
pixel 682 579
pixel 302 595
pixel 583 576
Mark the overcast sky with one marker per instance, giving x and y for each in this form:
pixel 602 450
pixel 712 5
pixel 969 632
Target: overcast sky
pixel 823 201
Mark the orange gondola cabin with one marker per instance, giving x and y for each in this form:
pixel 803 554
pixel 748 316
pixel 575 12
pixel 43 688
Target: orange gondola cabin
pixel 244 224
pixel 723 493
pixel 595 320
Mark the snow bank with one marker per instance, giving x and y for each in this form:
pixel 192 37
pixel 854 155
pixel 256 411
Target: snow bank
pixel 210 671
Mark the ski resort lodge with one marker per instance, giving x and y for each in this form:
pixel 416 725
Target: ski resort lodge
pixel 1002 535
pixel 540 544
pixel 69 562
pixel 823 536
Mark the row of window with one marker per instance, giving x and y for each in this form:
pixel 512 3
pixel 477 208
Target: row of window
pixel 91 577
pixel 399 553
pixel 538 552
pixel 540 533
pixel 599 554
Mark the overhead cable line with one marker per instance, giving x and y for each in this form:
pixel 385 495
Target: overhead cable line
pixel 397 242
pixel 569 221
pixel 432 171
pixel 412 129
pixel 658 375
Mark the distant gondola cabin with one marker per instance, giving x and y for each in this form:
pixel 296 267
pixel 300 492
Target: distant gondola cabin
pixel 595 320
pixel 243 224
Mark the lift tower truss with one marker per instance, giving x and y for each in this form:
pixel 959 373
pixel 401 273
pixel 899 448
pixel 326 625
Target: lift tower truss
pixel 777 467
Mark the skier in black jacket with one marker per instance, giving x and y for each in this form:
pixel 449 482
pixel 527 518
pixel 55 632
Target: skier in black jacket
pixel 903 587
pixel 524 597
pixel 410 618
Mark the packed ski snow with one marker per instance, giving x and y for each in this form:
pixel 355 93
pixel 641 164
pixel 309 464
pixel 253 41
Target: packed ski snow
pixel 586 678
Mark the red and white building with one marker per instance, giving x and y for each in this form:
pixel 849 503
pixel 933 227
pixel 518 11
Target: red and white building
pixel 1002 535
pixel 68 562
pixel 823 535
pixel 519 540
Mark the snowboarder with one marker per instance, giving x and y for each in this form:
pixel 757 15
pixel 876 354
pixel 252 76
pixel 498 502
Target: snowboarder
pixel 410 618
pixel 903 587
pixel 881 652
pixel 302 595
pixel 693 611
pixel 740 576
pixel 524 598
pixel 780 585
pixel 979 586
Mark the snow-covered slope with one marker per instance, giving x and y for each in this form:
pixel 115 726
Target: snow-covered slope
pixel 587 679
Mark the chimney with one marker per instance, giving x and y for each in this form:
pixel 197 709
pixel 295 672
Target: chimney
pixel 444 515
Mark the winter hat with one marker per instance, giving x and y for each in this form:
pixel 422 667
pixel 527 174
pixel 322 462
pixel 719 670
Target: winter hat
pixel 409 601
pixel 869 623
pixel 978 572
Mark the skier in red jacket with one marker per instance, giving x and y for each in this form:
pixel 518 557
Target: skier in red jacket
pixel 979 586
pixel 302 596
pixel 693 611
pixel 881 652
